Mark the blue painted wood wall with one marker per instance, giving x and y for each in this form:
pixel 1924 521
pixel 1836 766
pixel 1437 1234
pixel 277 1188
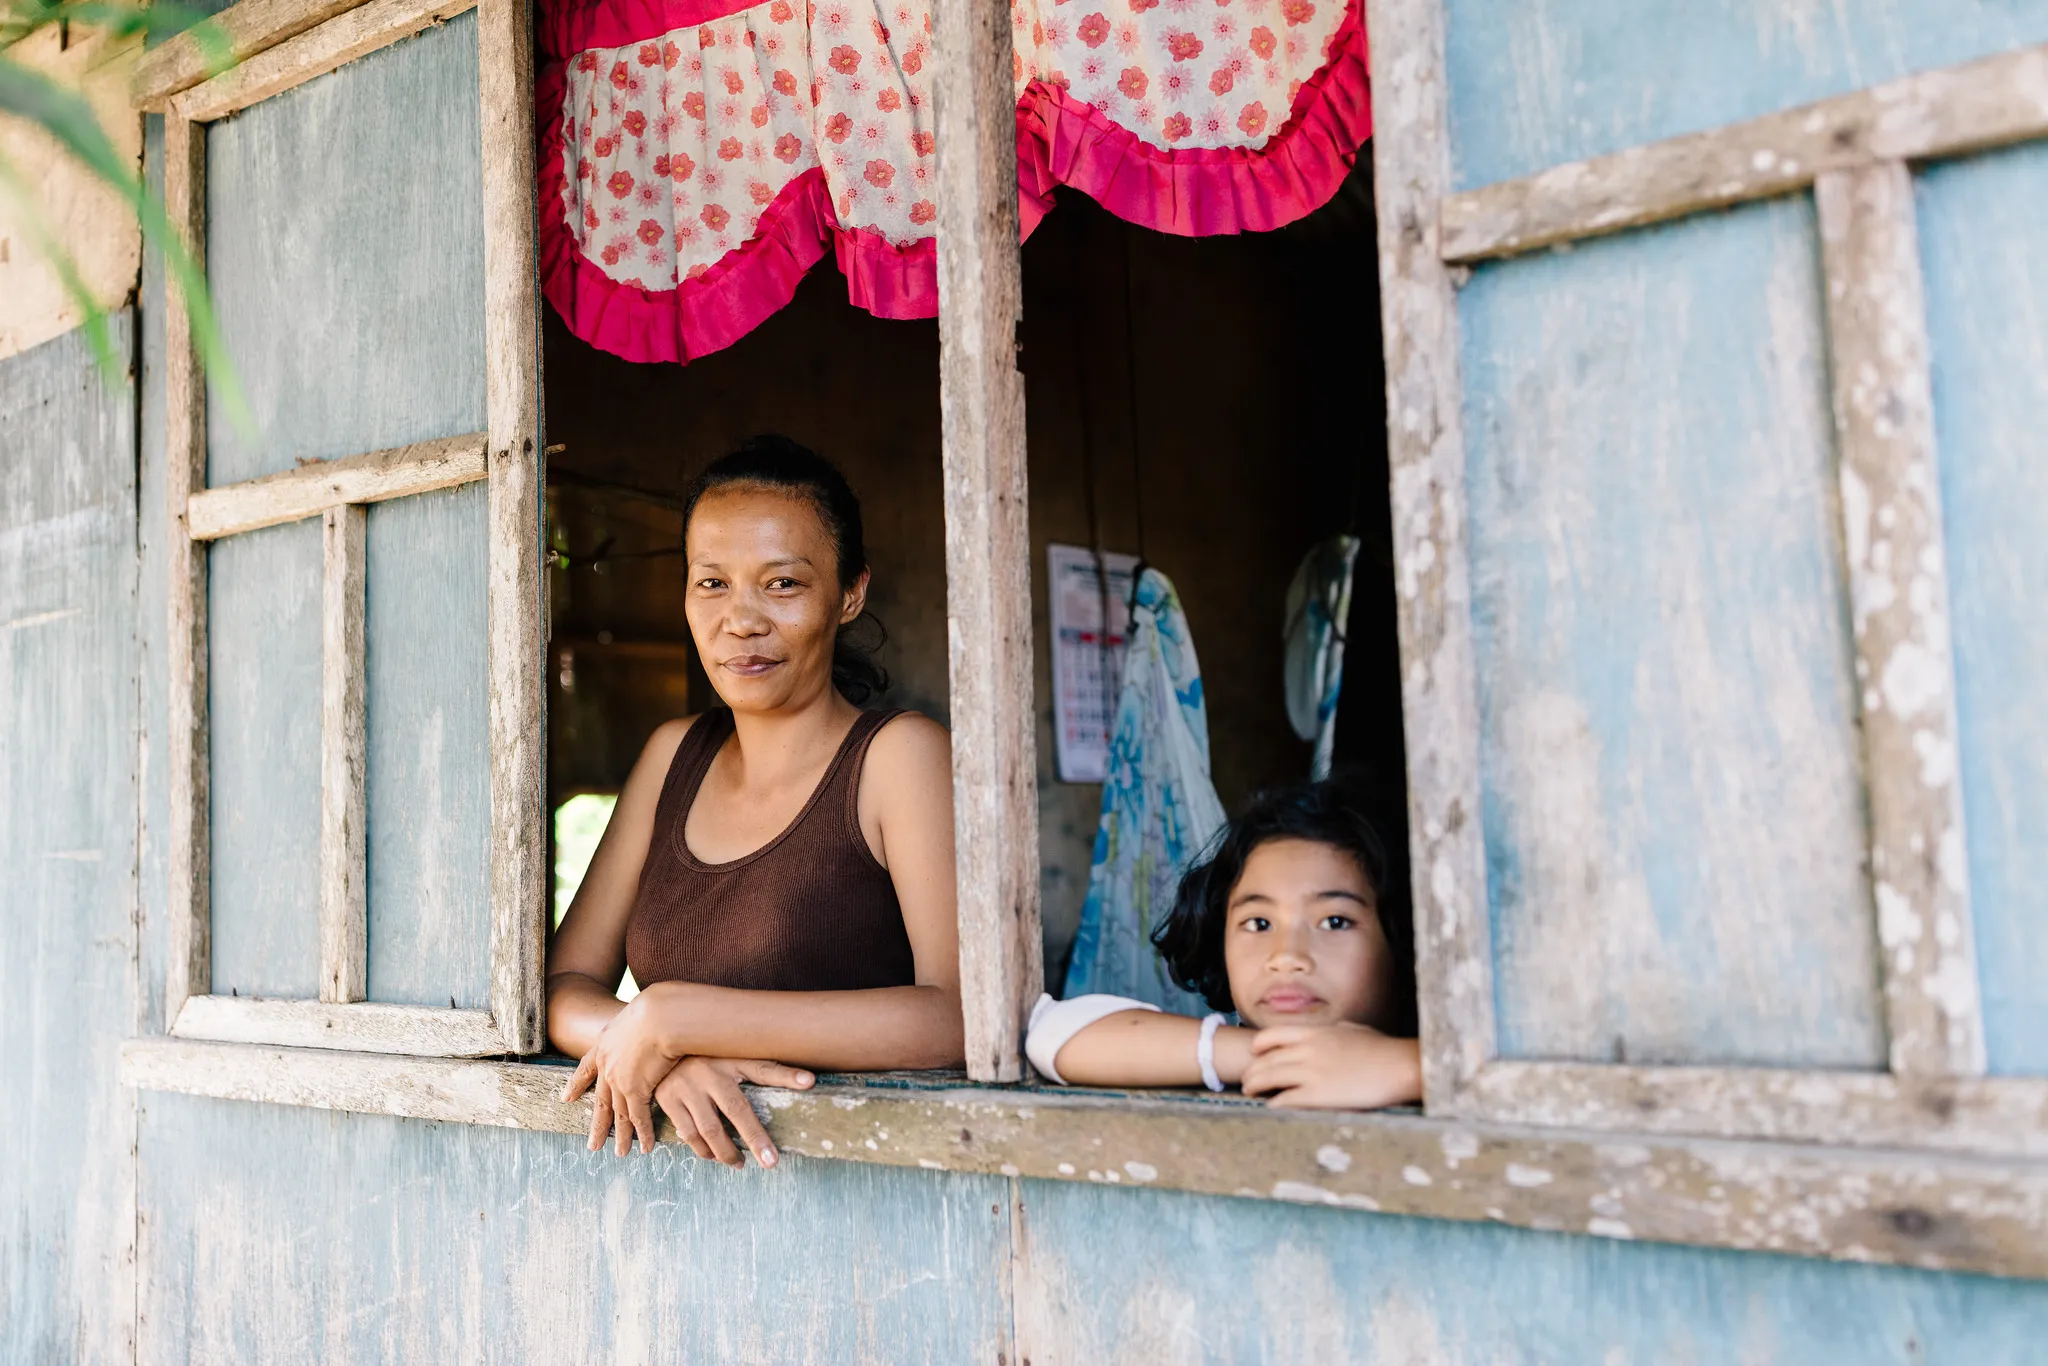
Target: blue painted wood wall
pixel 1675 494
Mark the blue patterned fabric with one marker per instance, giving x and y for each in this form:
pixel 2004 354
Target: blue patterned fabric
pixel 1159 810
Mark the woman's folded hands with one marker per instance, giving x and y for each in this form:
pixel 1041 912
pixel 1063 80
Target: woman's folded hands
pixel 635 1065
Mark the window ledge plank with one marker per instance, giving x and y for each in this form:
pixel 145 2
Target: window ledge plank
pixel 1916 1209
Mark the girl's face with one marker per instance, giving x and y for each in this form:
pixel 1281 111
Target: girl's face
pixel 765 602
pixel 1302 942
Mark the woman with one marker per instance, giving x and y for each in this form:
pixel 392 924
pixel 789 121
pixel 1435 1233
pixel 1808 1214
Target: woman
pixel 777 874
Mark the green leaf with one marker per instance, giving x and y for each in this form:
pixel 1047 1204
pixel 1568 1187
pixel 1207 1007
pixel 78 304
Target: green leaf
pixel 66 116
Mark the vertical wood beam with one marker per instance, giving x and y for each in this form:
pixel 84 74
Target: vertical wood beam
pixel 344 797
pixel 988 536
pixel 1426 453
pixel 518 643
pixel 1898 591
pixel 190 851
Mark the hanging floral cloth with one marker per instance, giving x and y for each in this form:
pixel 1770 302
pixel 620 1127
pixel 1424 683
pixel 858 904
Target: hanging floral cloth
pixel 1159 810
pixel 697 157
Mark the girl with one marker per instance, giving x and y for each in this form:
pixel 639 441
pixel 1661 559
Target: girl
pixel 778 874
pixel 1286 924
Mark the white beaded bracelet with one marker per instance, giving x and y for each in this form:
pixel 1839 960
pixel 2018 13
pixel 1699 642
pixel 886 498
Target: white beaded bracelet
pixel 1205 1052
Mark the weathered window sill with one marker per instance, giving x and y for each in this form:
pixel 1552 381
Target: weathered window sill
pixel 1915 1209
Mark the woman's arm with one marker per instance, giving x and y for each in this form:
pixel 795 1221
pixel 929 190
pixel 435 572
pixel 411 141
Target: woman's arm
pixel 875 1030
pixel 588 955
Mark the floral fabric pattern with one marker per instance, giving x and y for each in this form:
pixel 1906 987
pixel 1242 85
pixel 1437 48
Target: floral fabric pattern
pixel 697 156
pixel 674 148
pixel 1181 74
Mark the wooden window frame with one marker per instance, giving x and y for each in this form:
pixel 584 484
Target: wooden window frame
pixel 1928 1166
pixel 1853 153
pixel 287 43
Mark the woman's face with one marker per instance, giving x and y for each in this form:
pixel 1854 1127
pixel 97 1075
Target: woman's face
pixel 765 603
pixel 1302 943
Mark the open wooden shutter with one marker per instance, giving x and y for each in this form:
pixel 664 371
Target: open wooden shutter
pixel 357 843
pixel 1703 842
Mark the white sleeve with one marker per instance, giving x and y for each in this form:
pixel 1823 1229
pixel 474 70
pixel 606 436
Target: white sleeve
pixel 1054 1022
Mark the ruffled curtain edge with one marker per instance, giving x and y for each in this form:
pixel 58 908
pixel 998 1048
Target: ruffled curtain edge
pixel 1195 192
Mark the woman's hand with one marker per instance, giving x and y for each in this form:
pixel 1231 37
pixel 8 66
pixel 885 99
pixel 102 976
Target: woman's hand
pixel 1333 1067
pixel 621 1071
pixel 697 1091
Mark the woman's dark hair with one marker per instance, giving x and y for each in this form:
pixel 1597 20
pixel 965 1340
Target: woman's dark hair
pixel 1329 812
pixel 776 462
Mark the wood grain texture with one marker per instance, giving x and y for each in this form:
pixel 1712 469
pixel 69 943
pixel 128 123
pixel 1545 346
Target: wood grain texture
pixel 348 271
pixel 1987 103
pixel 190 767
pixel 265 672
pixel 346 260
pixel 2004 1116
pixel 1538 86
pixel 1426 452
pixel 1886 1206
pixel 1675 813
pixel 275 1234
pixel 70 766
pixel 988 540
pixel 250 27
pixel 362 1027
pixel 429 756
pixel 1987 310
pixel 1899 593
pixel 313 488
pixel 1190 1282
pixel 518 637
pixel 344 796
pixel 353 33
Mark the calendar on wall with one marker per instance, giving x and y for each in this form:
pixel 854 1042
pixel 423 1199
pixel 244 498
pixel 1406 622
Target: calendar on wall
pixel 1090 618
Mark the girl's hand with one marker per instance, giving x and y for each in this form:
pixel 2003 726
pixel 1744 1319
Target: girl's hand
pixel 698 1091
pixel 1333 1067
pixel 621 1071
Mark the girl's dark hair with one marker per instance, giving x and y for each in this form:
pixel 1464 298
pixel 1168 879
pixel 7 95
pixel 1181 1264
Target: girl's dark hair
pixel 776 462
pixel 1330 812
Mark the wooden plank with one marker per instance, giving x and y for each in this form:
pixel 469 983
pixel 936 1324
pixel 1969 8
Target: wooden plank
pixel 1898 588
pixel 1987 295
pixel 73 733
pixel 1426 452
pixel 518 633
pixel 2000 1116
pixel 340 40
pixel 988 537
pixel 312 489
pixel 190 846
pixel 1956 110
pixel 1867 1205
pixel 344 799
pixel 247 28
pixel 1677 826
pixel 362 1027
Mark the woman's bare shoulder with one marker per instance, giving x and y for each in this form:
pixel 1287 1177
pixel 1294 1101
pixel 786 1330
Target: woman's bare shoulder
pixel 911 745
pixel 660 750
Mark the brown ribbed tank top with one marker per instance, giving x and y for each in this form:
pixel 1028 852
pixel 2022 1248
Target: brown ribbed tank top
pixel 811 910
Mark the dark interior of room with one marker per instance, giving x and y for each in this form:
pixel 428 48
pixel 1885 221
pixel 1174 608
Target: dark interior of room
pixel 1215 405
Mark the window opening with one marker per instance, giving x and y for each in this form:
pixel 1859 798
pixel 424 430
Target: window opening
pixel 1218 411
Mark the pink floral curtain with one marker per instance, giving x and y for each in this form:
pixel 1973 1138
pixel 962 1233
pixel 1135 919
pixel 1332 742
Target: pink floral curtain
pixel 697 157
